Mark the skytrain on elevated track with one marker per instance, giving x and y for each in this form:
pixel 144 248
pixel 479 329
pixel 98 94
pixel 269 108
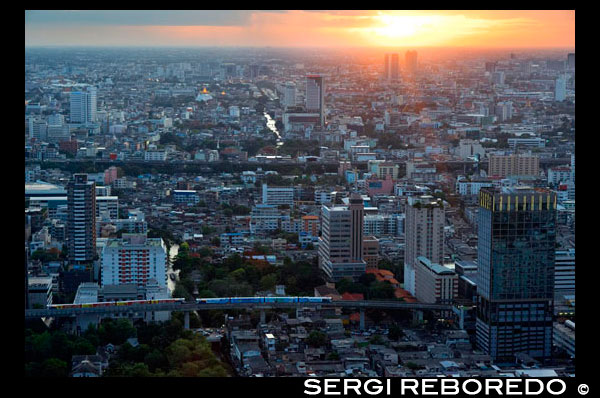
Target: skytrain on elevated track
pixel 112 303
pixel 220 300
pixel 258 300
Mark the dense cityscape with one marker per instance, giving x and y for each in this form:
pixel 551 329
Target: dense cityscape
pixel 222 211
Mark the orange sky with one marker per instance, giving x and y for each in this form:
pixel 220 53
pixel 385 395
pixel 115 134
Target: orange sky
pixel 491 29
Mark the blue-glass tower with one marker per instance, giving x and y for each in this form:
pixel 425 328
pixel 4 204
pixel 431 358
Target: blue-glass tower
pixel 516 246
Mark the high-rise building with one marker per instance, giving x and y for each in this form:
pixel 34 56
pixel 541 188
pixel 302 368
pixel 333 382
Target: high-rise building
pixel 38 129
pixel 503 110
pixel 108 204
pixel 425 220
pixel 56 119
pixel 81 219
pixel 498 77
pixel 289 95
pixel 277 195
pixel 253 71
pixel 391 67
pixel 83 106
pixel 490 67
pixel 571 61
pixel 514 165
pixel 560 88
pixel 341 241
pixel 411 61
pixel 135 259
pixel 516 254
pixel 315 96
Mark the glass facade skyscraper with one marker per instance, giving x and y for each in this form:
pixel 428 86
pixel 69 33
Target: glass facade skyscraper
pixel 516 248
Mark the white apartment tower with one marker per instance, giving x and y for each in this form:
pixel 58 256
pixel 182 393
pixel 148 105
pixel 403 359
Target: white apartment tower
pixel 134 259
pixel 425 219
pixel 83 106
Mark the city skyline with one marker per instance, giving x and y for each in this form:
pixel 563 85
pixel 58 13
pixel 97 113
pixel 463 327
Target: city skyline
pixel 401 211
pixel 296 28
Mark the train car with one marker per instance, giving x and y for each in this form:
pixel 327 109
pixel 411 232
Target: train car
pixel 218 300
pixel 314 299
pixel 63 306
pixel 280 299
pixel 247 299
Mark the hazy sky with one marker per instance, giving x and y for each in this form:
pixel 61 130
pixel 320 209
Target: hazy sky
pixel 492 29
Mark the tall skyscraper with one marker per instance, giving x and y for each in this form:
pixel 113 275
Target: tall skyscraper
pixel 391 67
pixel 503 111
pixel 571 61
pixel 81 219
pixel 490 67
pixel 560 88
pixel 498 77
pixel 411 61
pixel 289 95
pixel 516 252
pixel 315 96
pixel 425 220
pixel 83 106
pixel 341 241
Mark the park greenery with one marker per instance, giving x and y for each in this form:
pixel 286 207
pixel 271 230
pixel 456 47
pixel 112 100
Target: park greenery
pixel 369 286
pixel 238 276
pixel 163 349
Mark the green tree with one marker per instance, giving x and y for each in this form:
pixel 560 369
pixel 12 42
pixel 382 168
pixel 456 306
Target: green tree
pixel 395 333
pixel 316 338
pixel 377 340
pixel 116 332
pixel 268 282
pixel 53 367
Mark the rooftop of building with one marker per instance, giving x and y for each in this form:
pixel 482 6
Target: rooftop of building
pixel 437 268
pixel 127 242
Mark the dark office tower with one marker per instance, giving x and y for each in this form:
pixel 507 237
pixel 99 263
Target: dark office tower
pixel 229 70
pixel 315 96
pixel 490 67
pixel 391 67
pixel 571 61
pixel 516 249
pixel 341 241
pixel 411 61
pixel 81 225
pixel 386 66
pixel 254 71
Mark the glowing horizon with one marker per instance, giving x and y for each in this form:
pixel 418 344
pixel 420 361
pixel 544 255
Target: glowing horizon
pixel 476 29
